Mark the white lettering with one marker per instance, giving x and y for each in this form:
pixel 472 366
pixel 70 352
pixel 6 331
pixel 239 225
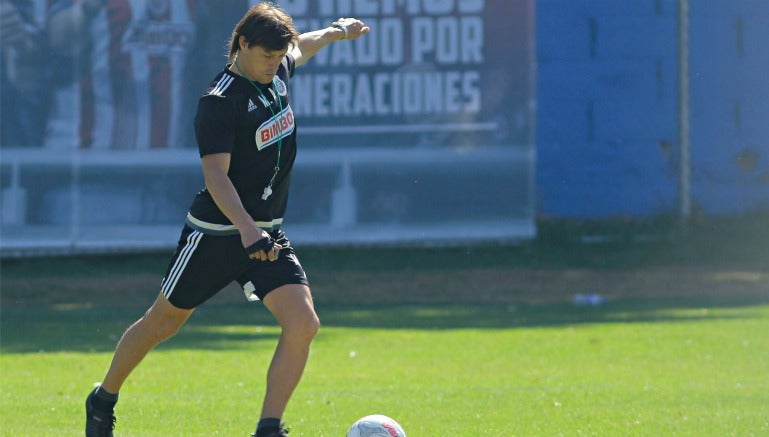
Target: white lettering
pixel 472 39
pixel 294 7
pixel 388 6
pixel 447 49
pixel 407 93
pixel 302 100
pixel 320 91
pixel 433 93
pixel 438 7
pixel 391 41
pixel 367 51
pixel 365 7
pixel 342 54
pixel 453 103
pixel 422 39
pixel 363 102
pixel 471 91
pixel 447 40
pixel 308 24
pixel 381 85
pixel 341 90
pixel 337 8
pixel 417 60
pixel 383 47
pixel 444 40
pixel 412 87
pixel 277 127
pixel 470 6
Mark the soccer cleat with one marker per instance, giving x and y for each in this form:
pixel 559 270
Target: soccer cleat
pixel 272 432
pixel 97 423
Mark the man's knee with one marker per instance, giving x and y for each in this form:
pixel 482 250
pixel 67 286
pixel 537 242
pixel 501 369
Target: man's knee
pixel 161 328
pixel 168 328
pixel 164 321
pixel 292 307
pixel 305 326
pixel 313 326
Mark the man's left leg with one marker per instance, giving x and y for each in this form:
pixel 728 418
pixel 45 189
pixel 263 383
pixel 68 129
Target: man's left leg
pixel 293 308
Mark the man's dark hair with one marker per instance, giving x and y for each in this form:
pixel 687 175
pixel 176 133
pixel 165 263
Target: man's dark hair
pixel 265 25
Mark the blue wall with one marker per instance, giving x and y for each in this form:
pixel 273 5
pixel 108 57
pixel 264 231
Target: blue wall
pixel 607 107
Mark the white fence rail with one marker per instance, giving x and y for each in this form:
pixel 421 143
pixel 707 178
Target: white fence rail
pixel 81 201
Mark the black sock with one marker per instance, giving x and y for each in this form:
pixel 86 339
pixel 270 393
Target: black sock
pixel 268 423
pixel 104 400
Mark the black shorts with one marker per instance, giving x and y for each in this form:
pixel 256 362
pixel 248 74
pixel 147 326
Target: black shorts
pixel 204 264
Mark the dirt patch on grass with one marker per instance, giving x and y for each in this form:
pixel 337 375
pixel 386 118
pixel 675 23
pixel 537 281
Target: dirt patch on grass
pixel 539 286
pixel 720 261
pixel 469 285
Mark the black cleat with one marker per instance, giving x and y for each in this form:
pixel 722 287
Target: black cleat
pixel 97 423
pixel 271 432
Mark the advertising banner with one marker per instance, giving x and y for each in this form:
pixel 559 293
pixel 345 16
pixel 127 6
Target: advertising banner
pixel 432 73
pixel 421 131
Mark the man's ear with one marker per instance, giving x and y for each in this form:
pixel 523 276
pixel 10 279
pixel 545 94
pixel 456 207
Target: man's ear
pixel 242 42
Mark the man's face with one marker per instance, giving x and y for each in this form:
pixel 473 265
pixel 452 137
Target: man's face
pixel 262 63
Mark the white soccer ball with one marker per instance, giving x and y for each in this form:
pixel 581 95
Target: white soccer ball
pixel 376 425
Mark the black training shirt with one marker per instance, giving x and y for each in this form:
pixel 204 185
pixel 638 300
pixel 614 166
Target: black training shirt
pixel 234 117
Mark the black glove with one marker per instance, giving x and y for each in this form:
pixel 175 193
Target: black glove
pixel 266 244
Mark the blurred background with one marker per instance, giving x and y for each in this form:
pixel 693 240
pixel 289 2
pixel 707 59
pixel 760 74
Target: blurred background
pixel 453 121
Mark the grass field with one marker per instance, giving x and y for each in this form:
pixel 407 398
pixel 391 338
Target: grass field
pixel 479 340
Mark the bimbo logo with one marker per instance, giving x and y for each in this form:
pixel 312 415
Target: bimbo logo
pixel 277 127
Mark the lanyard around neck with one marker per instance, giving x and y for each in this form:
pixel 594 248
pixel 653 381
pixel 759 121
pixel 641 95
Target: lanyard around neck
pixel 268 188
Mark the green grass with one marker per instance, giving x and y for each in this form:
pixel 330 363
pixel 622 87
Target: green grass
pixel 481 340
pixel 600 371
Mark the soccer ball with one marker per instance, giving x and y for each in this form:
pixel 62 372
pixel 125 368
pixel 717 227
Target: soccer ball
pixel 376 425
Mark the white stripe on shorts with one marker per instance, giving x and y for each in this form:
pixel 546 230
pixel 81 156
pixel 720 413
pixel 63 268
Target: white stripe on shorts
pixel 181 262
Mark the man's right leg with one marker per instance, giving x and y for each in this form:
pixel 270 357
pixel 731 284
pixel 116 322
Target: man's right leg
pixel 161 321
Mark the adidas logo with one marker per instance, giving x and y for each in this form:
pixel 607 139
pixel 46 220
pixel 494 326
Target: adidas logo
pixel 251 105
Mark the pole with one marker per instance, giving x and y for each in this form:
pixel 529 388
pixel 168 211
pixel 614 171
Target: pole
pixel 684 182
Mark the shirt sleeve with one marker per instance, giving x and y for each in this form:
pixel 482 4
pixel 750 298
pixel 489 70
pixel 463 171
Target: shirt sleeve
pixel 290 63
pixel 215 125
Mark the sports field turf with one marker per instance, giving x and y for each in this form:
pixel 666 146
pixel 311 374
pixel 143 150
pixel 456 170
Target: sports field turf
pixel 478 340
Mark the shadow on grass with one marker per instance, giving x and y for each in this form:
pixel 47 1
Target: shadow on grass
pixel 120 287
pixel 238 326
